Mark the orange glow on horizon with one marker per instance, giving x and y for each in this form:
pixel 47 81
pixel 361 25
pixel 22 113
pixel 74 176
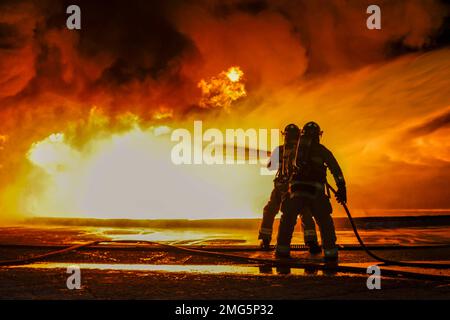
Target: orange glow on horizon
pixel 124 170
pixel 87 119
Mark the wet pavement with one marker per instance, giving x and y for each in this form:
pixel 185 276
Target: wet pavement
pixel 208 235
pixel 137 270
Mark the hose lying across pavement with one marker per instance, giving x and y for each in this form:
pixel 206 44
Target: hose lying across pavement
pixel 46 255
pixel 241 259
pixel 387 261
pixel 303 265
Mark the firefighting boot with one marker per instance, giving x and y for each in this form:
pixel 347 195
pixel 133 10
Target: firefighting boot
pixel 331 256
pixel 282 251
pixel 314 247
pixel 264 244
pixel 265 236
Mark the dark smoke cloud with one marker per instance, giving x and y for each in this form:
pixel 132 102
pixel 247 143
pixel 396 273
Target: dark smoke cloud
pixel 336 38
pixel 141 48
pixel 119 46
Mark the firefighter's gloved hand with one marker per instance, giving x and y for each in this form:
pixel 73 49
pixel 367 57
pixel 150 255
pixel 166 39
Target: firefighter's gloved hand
pixel 341 194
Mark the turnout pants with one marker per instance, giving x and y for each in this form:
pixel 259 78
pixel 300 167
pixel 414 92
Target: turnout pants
pixel 272 208
pixel 318 208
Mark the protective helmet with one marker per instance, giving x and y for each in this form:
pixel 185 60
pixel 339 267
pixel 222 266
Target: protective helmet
pixel 291 131
pixel 311 129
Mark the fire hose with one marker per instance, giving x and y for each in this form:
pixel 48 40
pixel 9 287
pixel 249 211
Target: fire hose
pixel 238 258
pixel 378 258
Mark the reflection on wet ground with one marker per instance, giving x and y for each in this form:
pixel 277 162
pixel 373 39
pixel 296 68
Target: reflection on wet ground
pixel 204 269
pixel 147 271
pixel 145 255
pixel 60 235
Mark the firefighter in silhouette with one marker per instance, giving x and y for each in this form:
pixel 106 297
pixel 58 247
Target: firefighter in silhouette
pixel 309 194
pixel 282 160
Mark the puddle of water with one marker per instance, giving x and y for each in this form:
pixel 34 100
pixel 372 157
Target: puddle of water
pixel 203 269
pixel 430 271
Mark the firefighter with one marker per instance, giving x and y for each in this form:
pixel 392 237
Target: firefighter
pixel 309 195
pixel 282 160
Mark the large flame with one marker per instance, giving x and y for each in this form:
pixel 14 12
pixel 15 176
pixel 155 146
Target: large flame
pixel 129 174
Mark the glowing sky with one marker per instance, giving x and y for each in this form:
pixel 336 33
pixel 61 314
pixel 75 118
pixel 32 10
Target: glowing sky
pixel 94 98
